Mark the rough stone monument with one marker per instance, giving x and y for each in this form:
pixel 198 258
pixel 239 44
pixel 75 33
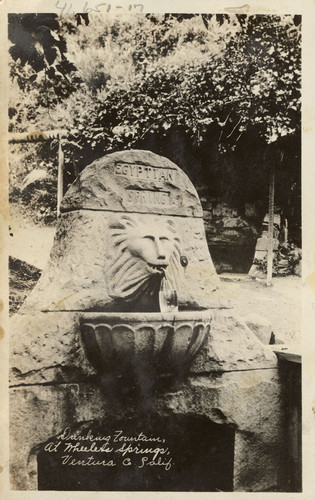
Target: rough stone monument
pixel 93 354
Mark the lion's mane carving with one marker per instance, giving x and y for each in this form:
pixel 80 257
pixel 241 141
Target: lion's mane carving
pixel 144 251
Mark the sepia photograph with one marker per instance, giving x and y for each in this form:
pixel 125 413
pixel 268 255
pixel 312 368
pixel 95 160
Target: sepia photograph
pixel 155 250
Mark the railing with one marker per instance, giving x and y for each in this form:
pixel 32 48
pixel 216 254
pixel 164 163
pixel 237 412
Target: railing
pixel 47 135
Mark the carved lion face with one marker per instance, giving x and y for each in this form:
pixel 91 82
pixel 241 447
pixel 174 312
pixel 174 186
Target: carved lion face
pixel 143 251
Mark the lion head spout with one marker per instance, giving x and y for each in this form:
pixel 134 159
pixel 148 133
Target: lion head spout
pixel 144 251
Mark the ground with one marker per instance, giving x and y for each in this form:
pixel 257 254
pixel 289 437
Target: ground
pixel 280 303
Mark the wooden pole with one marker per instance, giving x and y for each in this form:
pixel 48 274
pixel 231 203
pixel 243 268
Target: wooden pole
pixel 270 225
pixel 36 136
pixel 60 175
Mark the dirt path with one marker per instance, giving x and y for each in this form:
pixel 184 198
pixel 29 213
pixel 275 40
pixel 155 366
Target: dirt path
pixel 280 303
pixel 32 244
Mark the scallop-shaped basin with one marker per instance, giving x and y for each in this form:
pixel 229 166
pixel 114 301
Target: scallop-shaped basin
pixel 161 343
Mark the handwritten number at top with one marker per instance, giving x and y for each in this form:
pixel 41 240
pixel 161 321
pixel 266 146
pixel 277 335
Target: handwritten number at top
pixel 87 9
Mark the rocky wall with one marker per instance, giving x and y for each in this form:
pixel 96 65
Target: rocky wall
pixel 231 235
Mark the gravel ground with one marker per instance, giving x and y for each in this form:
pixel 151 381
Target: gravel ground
pixel 280 303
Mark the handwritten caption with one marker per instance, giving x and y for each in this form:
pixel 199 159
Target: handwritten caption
pixel 112 450
pixel 92 6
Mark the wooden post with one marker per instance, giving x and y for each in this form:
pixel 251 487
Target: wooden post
pixel 270 225
pixel 286 233
pixel 60 174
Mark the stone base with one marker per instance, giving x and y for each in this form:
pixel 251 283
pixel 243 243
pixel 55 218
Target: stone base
pixel 247 401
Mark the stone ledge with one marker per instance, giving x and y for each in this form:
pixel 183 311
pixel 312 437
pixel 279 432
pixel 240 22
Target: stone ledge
pixel 288 352
pixel 232 346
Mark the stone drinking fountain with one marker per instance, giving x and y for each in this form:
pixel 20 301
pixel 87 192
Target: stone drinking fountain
pixel 128 328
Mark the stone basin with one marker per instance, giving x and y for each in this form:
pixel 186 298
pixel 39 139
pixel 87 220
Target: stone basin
pixel 149 343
